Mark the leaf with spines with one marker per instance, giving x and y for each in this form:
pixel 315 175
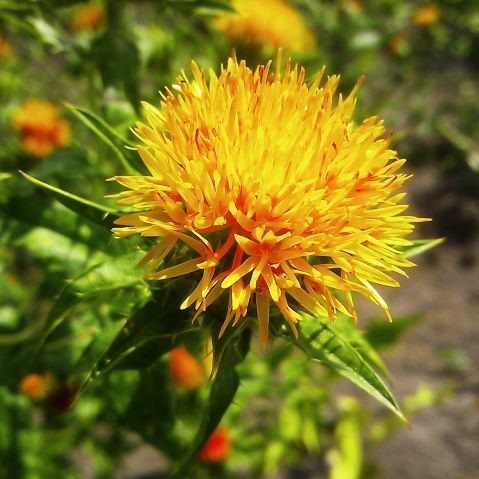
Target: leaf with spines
pixel 120 146
pixel 324 343
pixel 148 334
pixel 95 212
pixel 418 247
pixel 110 274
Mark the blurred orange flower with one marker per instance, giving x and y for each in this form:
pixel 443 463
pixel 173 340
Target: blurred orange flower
pixel 88 18
pixel 40 127
pixel 272 23
pixel 427 15
pixel 185 369
pixel 5 48
pixel 217 448
pixel 36 386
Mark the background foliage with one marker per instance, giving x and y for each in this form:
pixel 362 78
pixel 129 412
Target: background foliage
pixel 96 335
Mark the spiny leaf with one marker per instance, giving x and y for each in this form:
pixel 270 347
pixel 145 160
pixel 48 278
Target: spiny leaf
pixel 111 274
pixel 361 342
pixel 147 335
pixel 108 135
pixel 95 351
pixel 421 246
pixel 90 210
pixel 322 342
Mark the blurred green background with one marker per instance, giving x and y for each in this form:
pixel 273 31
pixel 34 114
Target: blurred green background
pixel 289 419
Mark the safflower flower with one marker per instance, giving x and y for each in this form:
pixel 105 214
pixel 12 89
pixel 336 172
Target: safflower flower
pixel 40 127
pixel 270 23
pixel 277 193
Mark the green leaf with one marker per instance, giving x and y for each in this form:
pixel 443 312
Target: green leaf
pixel 150 412
pixel 52 215
pixel 50 246
pixel 68 165
pixel 211 6
pixel 47 33
pixel 322 342
pixel 109 136
pixel 357 339
pixel 5 430
pixel 381 334
pixel 147 335
pixel 421 246
pixel 118 60
pixel 111 274
pixel 90 210
pixel 222 393
pixel 93 353
pixel 12 411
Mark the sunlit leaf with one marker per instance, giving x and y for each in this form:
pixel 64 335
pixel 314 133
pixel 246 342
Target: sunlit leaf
pixel 421 246
pixel 147 335
pixel 90 210
pixel 95 351
pixel 54 247
pixel 109 136
pixel 47 33
pixel 111 274
pixel 322 342
pixel 360 342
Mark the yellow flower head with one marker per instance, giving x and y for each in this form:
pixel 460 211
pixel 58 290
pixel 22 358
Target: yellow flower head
pixel 278 194
pixel 88 18
pixel 272 23
pixel 427 15
pixel 40 127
